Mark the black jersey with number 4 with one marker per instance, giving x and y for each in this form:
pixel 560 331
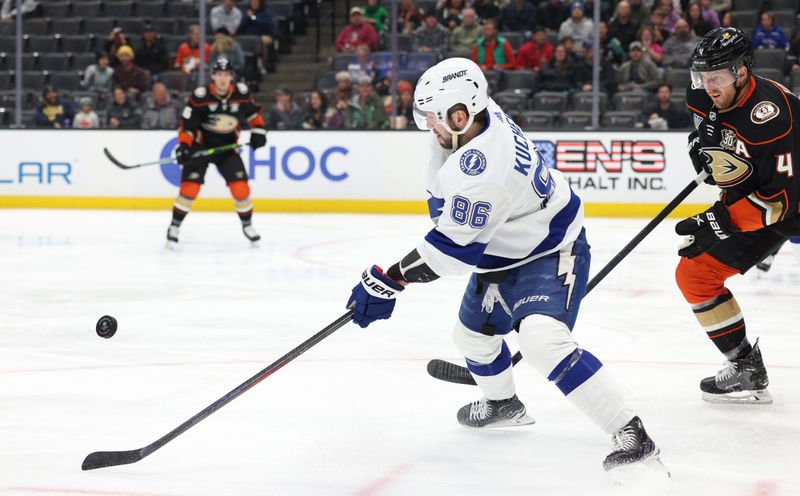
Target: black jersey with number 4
pixel 753 150
pixel 209 120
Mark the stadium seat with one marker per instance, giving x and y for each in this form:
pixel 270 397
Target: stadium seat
pixel 555 101
pixel 36 26
pixel 65 81
pixel 175 41
pixel 132 27
pixel 30 62
pixel 677 78
pixel 511 101
pixel 77 44
pixel 535 120
pixel 795 79
pixel 66 26
pixel 678 100
pixel 168 27
pixel 98 25
pixel 33 80
pixel 419 61
pixel 80 61
pixel 783 5
pixel 182 10
pixel 174 80
pixel 8 29
pixel 747 4
pixel 621 118
pixel 340 61
pixel 770 73
pixel 519 80
pixel 769 57
pixel 249 44
pixel 151 10
pixel 493 78
pixel 575 120
pixel 630 100
pixel 515 39
pixel 6 80
pixel 405 42
pixel 41 43
pixel 118 10
pixel 54 62
pixel 324 80
pixel 745 18
pixel 786 20
pixel 583 102
pixel 86 10
pixel 56 10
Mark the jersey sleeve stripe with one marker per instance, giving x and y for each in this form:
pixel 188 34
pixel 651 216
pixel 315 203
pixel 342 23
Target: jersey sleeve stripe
pixel 558 228
pixel 470 254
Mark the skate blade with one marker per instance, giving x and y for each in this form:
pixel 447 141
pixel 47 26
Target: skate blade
pixel 255 244
pixel 758 397
pixel 515 422
pixel 644 471
pixel 171 245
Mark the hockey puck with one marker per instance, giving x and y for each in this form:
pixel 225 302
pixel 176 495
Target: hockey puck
pixel 106 326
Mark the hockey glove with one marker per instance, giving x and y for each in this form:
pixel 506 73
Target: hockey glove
pixel 183 154
pixel 704 231
pixel 373 298
pixel 258 138
pixel 698 157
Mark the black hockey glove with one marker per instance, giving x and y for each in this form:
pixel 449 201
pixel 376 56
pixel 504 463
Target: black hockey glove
pixel 698 157
pixel 704 231
pixel 183 154
pixel 258 138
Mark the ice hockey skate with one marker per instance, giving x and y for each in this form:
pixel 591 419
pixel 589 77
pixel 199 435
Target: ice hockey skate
pixel 173 232
pixel 494 413
pixel 633 448
pixel 743 380
pixel 251 234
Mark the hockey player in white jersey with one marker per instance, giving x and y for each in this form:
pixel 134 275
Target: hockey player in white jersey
pixel 501 214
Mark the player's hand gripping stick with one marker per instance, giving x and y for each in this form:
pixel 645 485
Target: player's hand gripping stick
pixel 374 297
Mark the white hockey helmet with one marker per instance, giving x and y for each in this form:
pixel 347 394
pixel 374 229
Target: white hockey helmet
pixel 448 83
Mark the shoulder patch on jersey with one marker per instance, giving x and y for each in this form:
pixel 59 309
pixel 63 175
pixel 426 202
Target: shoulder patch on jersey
pixel 200 92
pixel 243 89
pixel 472 162
pixel 697 121
pixel 727 169
pixel 763 112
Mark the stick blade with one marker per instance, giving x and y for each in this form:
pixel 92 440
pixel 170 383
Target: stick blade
pixel 102 459
pixel 114 160
pixel 450 372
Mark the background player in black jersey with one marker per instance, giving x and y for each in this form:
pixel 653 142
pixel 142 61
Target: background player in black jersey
pixel 747 139
pixel 213 117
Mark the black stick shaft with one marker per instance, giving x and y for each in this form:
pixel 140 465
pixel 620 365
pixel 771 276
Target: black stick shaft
pixel 106 459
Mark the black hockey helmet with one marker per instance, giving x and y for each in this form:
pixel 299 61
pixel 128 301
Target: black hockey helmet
pixel 721 48
pixel 222 64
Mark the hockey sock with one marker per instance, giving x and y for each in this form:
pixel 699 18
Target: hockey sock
pixel 240 191
pixel 722 320
pixel 183 203
pixel 489 361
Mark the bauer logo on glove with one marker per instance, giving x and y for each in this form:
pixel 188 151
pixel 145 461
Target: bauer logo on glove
pixel 374 297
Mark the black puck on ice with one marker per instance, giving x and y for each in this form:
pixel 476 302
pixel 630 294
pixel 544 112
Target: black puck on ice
pixel 106 326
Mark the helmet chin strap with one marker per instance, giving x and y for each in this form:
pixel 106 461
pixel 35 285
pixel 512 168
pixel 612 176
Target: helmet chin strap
pixel 455 134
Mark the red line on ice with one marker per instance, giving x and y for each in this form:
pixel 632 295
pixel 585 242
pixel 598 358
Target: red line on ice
pixel 381 482
pixel 765 488
pixel 59 490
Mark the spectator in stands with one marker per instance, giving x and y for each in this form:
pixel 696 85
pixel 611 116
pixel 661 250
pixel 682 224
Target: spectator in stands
pixel 638 73
pixel 623 26
pixel 679 47
pixel 362 65
pixel 535 52
pixel 451 14
pixel 431 37
pixel 87 118
pixel 152 55
pixel 610 47
pixel 768 35
pixel 585 74
pixel 366 110
pixel 30 9
pixel 552 14
pixel 357 33
pixel 188 57
pixel 405 106
pixel 560 74
pixel 657 23
pixel 492 51
pixel 697 23
pixel 377 15
pixel 226 16
pixel 128 75
pixel 467 34
pixel 53 111
pixel 671 16
pixel 728 21
pixel 285 114
pixel 577 27
pixel 653 51
pixel 664 114
pixel 116 39
pixel 793 58
pixel 227 47
pixel 486 9
pixel 97 77
pixel 640 12
pixel 409 17
pixel 343 91
pixel 123 113
pixel 519 16
pixel 721 6
pixel 319 115
pixel 709 14
pixel 160 110
pixel 257 21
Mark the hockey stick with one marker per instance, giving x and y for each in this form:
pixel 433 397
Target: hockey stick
pixel 101 459
pixel 450 372
pixel 198 154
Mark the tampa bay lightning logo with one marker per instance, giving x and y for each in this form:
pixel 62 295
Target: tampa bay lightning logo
pixel 473 162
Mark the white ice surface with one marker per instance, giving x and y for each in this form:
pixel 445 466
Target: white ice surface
pixel 357 414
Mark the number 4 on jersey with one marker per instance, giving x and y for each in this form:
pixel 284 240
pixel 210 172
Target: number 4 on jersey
pixel 783 164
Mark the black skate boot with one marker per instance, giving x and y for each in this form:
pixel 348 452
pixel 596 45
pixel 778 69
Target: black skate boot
pixel 743 380
pixel 250 233
pixel 632 445
pixel 494 413
pixel 172 235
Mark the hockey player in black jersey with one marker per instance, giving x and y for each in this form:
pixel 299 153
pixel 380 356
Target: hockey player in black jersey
pixel 213 117
pixel 746 138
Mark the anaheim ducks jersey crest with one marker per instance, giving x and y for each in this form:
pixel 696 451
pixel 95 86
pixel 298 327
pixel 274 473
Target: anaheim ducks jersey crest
pixel 213 121
pixel 752 151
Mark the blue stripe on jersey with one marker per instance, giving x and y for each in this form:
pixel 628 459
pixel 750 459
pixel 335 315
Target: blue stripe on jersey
pixel 574 370
pixel 435 206
pixel 469 254
pixel 558 229
pixel 501 363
